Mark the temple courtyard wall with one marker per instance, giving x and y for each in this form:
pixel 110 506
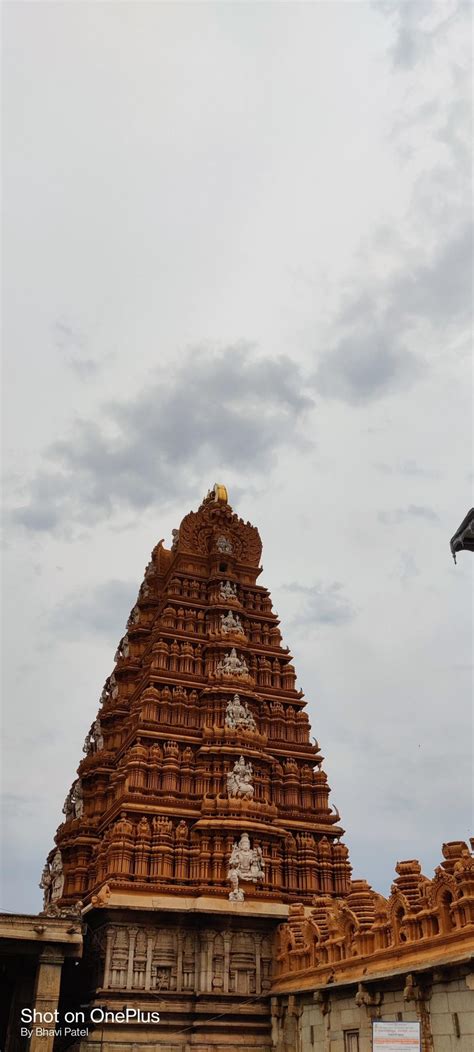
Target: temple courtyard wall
pixel 340 1020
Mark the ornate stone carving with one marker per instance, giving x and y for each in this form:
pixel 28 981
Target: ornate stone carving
pixel 227 590
pixel 94 741
pixel 239 780
pixel 157 799
pixel 246 863
pixel 232 665
pixel 238 715
pixel 52 880
pixel 74 804
pixel 231 623
pixel 123 649
pixel 223 545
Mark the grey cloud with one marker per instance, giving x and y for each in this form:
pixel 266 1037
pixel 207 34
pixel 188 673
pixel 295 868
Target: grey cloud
pixel 71 342
pixel 101 610
pixel 229 406
pixel 398 515
pixel 370 358
pixel 380 331
pixel 325 604
pixel 364 365
pixel 414 39
pixel 407 467
pixel 439 292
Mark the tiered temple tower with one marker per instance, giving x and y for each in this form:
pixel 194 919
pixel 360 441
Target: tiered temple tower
pixel 200 811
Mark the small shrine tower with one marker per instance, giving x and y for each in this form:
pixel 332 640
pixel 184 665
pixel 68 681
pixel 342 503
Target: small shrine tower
pixel 200 812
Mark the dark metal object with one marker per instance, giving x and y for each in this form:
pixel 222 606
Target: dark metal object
pixel 464 536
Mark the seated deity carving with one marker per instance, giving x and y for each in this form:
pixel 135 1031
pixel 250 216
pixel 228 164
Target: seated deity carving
pixel 231 623
pixel 227 590
pixel 223 545
pixel 246 863
pixel 239 780
pixel 232 665
pixel 238 715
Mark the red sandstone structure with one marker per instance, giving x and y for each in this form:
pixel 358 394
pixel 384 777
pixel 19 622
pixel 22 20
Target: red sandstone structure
pixel 200 795
pixel 208 863
pixel 421 919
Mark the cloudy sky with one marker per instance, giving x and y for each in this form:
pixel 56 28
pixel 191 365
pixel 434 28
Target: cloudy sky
pixel 237 248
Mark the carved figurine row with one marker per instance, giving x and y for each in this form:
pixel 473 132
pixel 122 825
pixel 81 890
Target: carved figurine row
pixel 177 706
pixel 254 601
pixel 180 856
pixel 172 959
pixel 365 923
pixel 168 768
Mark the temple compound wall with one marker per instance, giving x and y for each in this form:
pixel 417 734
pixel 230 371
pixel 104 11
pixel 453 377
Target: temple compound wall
pixel 340 1020
pixel 347 963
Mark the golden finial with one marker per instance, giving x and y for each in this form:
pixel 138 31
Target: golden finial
pixel 220 494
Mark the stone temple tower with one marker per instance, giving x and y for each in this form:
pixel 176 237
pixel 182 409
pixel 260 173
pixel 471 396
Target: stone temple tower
pixel 200 811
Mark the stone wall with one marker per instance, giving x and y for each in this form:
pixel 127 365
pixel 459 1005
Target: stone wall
pixel 340 1019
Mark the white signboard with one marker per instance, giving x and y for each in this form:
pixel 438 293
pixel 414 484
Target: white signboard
pixel 395 1037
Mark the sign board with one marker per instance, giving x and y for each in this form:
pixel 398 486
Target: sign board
pixel 395 1037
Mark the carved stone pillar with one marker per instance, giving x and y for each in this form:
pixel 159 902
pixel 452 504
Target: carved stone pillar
pixel 131 947
pixel 46 995
pixel 108 952
pixel 258 963
pixel 227 941
pixel 179 963
pixel 149 957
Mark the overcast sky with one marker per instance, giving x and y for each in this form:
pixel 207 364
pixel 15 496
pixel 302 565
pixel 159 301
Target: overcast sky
pixel 237 249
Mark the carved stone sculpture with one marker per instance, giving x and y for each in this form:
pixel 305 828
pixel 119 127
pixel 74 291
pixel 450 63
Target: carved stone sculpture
pixel 246 863
pixel 231 623
pixel 52 880
pixel 94 741
pixel 238 715
pixel 239 780
pixel 224 545
pixel 74 804
pixel 232 665
pixel 227 590
pixel 123 649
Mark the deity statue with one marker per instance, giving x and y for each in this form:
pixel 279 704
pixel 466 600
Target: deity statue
pixel 231 623
pixel 246 863
pixel 45 885
pixel 123 649
pixel 239 780
pixel 238 715
pixel 231 665
pixel 227 590
pixel 235 894
pixel 223 545
pixel 175 536
pixel 94 741
pixel 52 880
pixel 74 804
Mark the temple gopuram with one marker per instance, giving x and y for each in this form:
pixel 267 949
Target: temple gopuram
pixel 198 897
pixel 200 812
